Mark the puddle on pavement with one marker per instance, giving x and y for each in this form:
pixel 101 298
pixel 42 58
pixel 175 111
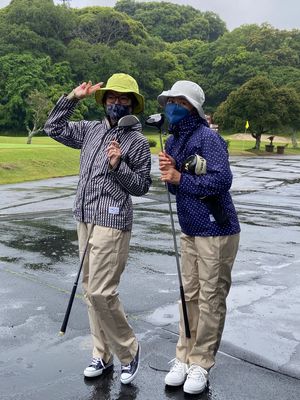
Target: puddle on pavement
pixel 38 266
pixel 164 315
pixel 13 260
pixel 37 244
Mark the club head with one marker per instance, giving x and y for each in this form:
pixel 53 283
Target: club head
pixel 127 121
pixel 155 120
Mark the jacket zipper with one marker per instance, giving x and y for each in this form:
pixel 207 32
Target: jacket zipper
pixel 89 174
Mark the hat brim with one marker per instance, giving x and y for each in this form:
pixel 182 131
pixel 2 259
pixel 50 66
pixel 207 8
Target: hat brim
pixel 138 108
pixel 163 98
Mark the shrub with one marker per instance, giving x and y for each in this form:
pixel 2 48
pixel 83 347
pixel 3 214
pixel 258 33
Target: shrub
pixel 152 142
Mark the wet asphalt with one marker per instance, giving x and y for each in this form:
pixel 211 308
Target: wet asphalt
pixel 259 357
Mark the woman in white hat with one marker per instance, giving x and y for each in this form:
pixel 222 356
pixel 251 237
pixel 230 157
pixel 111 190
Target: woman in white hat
pixel 196 168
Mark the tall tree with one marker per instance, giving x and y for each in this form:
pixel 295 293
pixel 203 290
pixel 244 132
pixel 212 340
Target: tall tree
pixel 20 74
pixel 108 26
pixel 173 22
pixel 265 106
pixel 39 107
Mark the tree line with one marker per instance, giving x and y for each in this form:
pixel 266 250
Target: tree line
pixel 47 49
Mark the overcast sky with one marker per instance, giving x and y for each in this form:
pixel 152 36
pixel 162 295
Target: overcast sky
pixel 281 14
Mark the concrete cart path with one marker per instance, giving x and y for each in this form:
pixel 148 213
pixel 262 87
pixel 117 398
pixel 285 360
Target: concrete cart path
pixel 38 264
pixel 35 363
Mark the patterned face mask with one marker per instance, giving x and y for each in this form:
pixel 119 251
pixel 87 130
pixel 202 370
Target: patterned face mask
pixel 117 111
pixel 175 113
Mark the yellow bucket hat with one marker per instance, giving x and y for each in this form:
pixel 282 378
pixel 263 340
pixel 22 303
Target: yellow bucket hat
pixel 122 83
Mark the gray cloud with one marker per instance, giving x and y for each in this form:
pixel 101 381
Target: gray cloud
pixel 280 14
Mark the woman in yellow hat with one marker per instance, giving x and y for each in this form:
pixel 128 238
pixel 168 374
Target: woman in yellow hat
pixel 115 164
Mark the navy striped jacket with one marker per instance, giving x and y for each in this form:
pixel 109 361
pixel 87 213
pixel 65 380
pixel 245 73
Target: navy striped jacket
pixel 132 177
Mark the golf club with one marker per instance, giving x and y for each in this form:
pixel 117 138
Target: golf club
pixel 157 121
pixel 125 122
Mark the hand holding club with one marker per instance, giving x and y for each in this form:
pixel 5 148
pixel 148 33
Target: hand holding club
pixel 165 161
pixel 114 154
pixel 167 169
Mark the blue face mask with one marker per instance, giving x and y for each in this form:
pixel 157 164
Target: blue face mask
pixel 117 111
pixel 175 113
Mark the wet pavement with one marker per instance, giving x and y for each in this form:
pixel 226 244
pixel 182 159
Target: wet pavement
pixel 259 357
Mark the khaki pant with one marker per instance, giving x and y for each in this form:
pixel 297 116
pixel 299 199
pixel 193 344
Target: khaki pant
pixel 104 263
pixel 206 277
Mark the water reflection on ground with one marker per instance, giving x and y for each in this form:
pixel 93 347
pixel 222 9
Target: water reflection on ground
pixel 38 238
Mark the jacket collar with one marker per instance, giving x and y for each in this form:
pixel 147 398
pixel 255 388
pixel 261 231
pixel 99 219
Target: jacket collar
pixel 187 125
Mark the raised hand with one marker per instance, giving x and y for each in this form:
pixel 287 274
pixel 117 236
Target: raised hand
pixel 86 89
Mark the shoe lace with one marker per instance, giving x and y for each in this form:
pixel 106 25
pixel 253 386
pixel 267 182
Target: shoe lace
pixel 177 365
pixel 197 372
pixel 126 367
pixel 96 360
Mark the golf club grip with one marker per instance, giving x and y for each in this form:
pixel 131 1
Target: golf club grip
pixel 68 311
pixel 184 312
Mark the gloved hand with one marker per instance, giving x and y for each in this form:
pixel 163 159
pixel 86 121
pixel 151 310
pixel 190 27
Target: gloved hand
pixel 195 165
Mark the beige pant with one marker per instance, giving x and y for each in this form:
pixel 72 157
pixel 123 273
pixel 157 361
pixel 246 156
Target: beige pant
pixel 104 263
pixel 206 277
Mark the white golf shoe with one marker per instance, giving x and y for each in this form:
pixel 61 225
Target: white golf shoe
pixel 196 380
pixel 177 374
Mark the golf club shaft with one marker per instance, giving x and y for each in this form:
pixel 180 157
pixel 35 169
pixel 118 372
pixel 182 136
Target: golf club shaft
pixel 73 293
pixel 72 296
pixel 182 297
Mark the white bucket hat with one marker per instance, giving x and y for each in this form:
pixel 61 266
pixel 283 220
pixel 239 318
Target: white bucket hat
pixel 192 92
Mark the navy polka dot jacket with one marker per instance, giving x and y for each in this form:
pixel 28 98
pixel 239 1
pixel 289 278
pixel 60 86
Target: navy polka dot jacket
pixel 196 218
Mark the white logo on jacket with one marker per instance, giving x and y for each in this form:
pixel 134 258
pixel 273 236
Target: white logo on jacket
pixel 114 210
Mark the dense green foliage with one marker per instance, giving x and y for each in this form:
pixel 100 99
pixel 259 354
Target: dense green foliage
pixel 172 22
pixel 50 48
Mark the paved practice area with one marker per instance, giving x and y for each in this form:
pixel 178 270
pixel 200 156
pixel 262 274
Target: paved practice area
pixel 259 356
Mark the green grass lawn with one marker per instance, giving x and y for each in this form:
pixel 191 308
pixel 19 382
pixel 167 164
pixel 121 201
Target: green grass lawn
pixel 236 147
pixel 46 158
pixel 43 159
